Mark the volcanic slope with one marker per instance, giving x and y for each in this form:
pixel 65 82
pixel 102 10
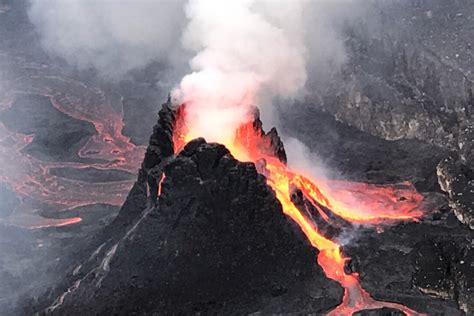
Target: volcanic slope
pixel 216 241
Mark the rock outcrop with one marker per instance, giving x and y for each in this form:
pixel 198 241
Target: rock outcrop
pixel 409 73
pixel 457 179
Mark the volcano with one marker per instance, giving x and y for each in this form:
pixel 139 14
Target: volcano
pixel 230 229
pixel 88 226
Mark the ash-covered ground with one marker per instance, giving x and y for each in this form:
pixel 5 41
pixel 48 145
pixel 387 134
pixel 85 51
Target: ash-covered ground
pixel 400 110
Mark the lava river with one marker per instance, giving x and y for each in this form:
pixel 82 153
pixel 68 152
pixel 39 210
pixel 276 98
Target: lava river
pixel 44 195
pixel 358 203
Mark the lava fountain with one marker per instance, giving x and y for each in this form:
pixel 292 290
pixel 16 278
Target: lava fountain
pixel 353 202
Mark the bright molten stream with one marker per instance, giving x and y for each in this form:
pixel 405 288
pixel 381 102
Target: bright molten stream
pixel 355 202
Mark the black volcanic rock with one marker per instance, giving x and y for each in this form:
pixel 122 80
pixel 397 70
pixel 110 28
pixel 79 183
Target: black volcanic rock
pixel 33 114
pixel 457 180
pixel 161 141
pixel 444 269
pixel 160 148
pixel 380 312
pixel 466 144
pixel 217 242
pixel 277 149
pixel 426 266
pixel 409 73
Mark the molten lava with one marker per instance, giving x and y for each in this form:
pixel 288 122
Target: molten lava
pixel 355 202
pixel 32 179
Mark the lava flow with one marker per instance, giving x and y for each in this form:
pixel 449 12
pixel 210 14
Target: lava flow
pixel 44 194
pixel 358 203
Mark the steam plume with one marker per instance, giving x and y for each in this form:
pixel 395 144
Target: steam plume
pixel 111 36
pixel 244 51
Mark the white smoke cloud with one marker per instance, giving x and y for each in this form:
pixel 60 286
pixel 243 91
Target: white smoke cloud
pixel 303 161
pixel 113 36
pixel 239 53
pixel 245 50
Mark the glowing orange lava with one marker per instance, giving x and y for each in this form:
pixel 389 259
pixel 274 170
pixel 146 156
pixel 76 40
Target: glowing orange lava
pixel 355 202
pixel 33 179
pixel 160 183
